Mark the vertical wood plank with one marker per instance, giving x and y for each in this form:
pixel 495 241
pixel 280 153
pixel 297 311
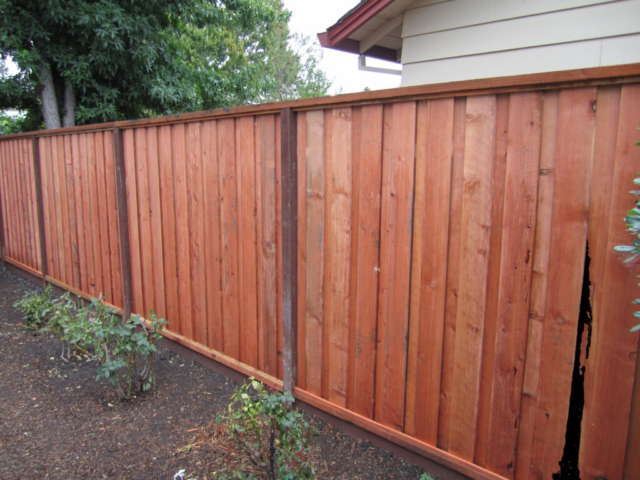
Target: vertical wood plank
pixel 168 211
pixel 315 240
pixel 395 261
pixel 301 130
pixel 37 176
pixel 112 218
pixel 64 208
pixel 196 232
pixel 493 278
pixel 539 280
pixel 453 270
pixel 123 221
pixel 181 195
pixel 229 236
pixel 267 242
pixel 339 244
pixel 575 139
pixel 3 211
pixel 211 177
pixel 434 150
pixel 144 219
pixel 612 359
pixel 246 176
pixel 49 215
pixel 155 222
pixel 103 217
pixel 79 207
pixel 367 260
pixel 34 206
pixel 521 186
pixel 58 228
pixel 71 207
pixel 474 262
pixel 17 157
pixel 131 190
pixel 94 155
pixel 289 207
pixel 279 251
pixel 29 184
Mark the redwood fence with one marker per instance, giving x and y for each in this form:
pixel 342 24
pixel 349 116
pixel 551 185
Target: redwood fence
pixel 428 263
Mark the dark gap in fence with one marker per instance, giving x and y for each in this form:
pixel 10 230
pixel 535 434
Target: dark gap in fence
pixel 569 469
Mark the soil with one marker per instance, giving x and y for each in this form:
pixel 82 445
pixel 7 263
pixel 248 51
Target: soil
pixel 57 422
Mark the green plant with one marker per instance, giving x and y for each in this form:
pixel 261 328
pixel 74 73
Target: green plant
pixel 124 350
pixel 273 436
pixel 632 220
pixel 426 476
pixel 62 325
pixel 37 308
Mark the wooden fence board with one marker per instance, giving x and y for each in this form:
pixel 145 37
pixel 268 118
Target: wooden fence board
pixel 520 201
pixel 339 245
pixel 315 241
pixel 168 232
pixel 144 220
pixel 112 221
pixel 367 247
pixel 453 271
pixel 71 208
pixel 301 131
pixel 395 257
pixel 49 217
pixel 134 229
pixel 155 222
pixel 493 278
pixel 576 128
pixel 434 150
pixel 210 175
pixel 103 218
pixel 474 262
pixel 613 348
pixel 196 233
pixel 79 215
pixel 229 242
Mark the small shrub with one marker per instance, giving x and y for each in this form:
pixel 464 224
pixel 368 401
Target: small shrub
pixel 274 437
pixel 124 350
pixel 62 325
pixel 37 308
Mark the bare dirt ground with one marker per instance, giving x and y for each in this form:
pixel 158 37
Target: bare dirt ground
pixel 56 422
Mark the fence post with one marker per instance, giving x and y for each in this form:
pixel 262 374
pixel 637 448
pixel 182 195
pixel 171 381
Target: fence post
pixel 37 173
pixel 289 196
pixel 123 221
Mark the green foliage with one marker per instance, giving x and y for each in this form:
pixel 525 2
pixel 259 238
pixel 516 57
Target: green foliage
pixel 123 350
pixel 274 437
pixel 37 307
pixel 632 220
pixel 127 60
pixel 426 476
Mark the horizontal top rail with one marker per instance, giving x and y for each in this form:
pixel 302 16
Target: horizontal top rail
pixel 538 81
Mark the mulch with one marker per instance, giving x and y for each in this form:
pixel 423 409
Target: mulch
pixel 57 422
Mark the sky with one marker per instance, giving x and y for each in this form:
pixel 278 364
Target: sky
pixel 312 17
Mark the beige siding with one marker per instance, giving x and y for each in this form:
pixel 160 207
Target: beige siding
pixel 467 39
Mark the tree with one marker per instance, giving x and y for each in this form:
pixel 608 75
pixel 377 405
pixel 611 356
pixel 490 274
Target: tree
pixel 84 61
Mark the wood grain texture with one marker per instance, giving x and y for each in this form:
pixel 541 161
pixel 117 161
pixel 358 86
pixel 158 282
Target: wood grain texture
pixel 301 131
pixel 575 139
pixel 493 278
pixel 229 237
pixel 315 240
pixel 79 209
pixel 111 207
pixel 339 249
pixel 453 271
pixel 195 229
pixel 103 217
pixel 366 254
pixel 134 229
pixel 155 222
pixel 168 221
pixel 434 153
pixel 247 178
pixel 210 175
pixel 71 208
pixel 474 262
pixel 518 234
pixel 612 358
pixel 395 258
pixel 144 220
pixel 181 198
pixel 539 282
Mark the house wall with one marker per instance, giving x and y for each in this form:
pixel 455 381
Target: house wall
pixel 468 39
